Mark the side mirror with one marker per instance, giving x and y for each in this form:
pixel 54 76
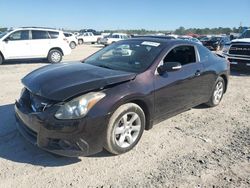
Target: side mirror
pixel 168 67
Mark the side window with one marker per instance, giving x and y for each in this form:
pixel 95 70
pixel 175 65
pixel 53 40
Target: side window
pixel 36 34
pixel 182 54
pixel 66 34
pixel 19 35
pixel 53 34
pixel 204 53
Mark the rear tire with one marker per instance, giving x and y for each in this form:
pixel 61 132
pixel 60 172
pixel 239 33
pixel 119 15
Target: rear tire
pixel 217 94
pixel 72 45
pixel 80 41
pixel 1 59
pixel 125 128
pixel 55 56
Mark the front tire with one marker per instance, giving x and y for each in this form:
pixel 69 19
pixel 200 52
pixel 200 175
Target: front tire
pixel 218 92
pixel 125 128
pixel 55 56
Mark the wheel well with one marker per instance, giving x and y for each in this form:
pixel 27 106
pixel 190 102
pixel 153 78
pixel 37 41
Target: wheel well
pixel 145 109
pixel 1 55
pixel 225 80
pixel 57 48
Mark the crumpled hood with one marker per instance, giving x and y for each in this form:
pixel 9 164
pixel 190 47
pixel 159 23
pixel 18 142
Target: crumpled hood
pixel 65 80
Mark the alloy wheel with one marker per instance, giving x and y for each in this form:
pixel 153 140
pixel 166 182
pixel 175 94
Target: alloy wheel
pixel 127 129
pixel 218 92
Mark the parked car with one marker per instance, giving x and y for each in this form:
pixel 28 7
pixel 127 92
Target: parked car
pixel 23 43
pixel 216 42
pixel 196 41
pixel 88 37
pixel 191 39
pixel 238 51
pixel 72 39
pixel 115 37
pixel 110 98
pixel 154 36
pixel 204 39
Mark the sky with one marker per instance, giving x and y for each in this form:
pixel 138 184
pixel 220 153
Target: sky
pixel 125 14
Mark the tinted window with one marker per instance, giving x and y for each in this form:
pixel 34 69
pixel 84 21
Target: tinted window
pixel 53 34
pixel 66 34
pixel 19 35
pixel 182 54
pixel 215 39
pixel 246 34
pixel 40 34
pixel 204 53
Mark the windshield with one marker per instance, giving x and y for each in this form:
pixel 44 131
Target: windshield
pixel 4 33
pixel 130 56
pixel 215 38
pixel 245 34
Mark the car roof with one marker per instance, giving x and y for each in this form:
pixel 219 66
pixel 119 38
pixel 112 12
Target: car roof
pixel 164 41
pixel 37 28
pixel 119 34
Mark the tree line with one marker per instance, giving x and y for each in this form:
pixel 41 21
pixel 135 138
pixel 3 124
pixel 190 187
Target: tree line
pixel 179 31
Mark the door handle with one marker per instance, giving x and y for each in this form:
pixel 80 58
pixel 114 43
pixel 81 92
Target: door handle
pixel 197 73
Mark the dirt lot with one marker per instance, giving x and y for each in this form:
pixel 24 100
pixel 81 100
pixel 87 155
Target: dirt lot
pixel 203 147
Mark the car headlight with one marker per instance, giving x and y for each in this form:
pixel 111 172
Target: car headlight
pixel 79 107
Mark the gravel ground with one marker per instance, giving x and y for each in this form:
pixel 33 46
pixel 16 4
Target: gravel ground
pixel 203 147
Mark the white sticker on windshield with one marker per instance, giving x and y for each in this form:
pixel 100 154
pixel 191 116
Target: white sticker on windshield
pixel 155 44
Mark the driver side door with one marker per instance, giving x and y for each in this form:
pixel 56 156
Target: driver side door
pixel 177 90
pixel 17 45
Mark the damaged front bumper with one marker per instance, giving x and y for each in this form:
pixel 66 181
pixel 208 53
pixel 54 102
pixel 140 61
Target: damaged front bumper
pixel 71 138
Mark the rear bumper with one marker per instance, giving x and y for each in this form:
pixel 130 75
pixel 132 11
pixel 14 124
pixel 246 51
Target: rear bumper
pixel 71 138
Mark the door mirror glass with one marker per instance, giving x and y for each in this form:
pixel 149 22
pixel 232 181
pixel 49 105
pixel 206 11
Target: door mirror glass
pixel 168 67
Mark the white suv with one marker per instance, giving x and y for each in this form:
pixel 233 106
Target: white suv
pixel 115 37
pixel 72 39
pixel 24 43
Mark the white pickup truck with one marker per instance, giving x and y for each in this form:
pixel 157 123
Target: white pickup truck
pixel 88 37
pixel 238 51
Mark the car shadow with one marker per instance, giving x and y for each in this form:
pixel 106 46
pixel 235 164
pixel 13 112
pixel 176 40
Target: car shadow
pixel 201 106
pixel 15 148
pixel 24 61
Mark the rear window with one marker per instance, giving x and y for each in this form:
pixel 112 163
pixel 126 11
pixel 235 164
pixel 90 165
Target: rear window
pixel 67 34
pixel 53 34
pixel 204 53
pixel 36 34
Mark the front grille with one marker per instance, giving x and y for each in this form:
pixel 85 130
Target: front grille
pixel 240 49
pixel 239 61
